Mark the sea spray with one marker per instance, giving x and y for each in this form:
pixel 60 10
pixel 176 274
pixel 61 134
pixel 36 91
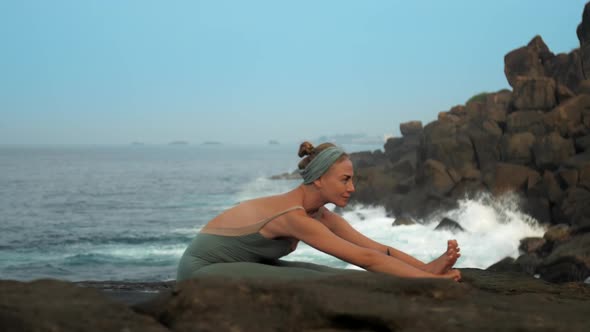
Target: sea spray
pixel 493 229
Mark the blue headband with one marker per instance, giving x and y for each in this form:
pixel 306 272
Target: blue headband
pixel 320 164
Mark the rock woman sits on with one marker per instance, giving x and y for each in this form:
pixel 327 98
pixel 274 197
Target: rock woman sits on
pixel 249 239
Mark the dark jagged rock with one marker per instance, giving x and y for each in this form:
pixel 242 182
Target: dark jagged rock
pixel 558 233
pixel 373 302
pixel 538 93
pixel 411 128
pixel 530 245
pixel 527 61
pixel 517 148
pixel 403 221
pixel 526 121
pixel 512 178
pixel 531 141
pixel 552 150
pixel 448 224
pixel 583 143
pixel 52 305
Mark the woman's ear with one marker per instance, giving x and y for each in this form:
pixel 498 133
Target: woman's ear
pixel 318 183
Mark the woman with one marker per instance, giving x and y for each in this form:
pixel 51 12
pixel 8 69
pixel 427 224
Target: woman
pixel 247 240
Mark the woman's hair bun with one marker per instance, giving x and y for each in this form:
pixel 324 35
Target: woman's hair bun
pixel 305 149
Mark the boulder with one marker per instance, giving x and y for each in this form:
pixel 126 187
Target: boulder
pixel 582 144
pixel 411 128
pixel 567 117
pixel 583 33
pixel 506 264
pixel 576 205
pixel 448 224
pixel 497 106
pixel 530 245
pixel 552 188
pixel 526 121
pixel 485 137
pixel 512 178
pixel 569 261
pixel 441 141
pixel 52 305
pixel 373 302
pixel 567 71
pixel 551 150
pixel 403 221
pixel 402 148
pixel 367 158
pixel 528 263
pixel 563 93
pixel 537 207
pixel 584 87
pixel 534 93
pixel 567 176
pixel 583 29
pixel 517 148
pixel 558 233
pixel 436 177
pixel 527 61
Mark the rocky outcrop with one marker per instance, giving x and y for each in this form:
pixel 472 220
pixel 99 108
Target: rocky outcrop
pixel 533 140
pixel 52 305
pixel 363 301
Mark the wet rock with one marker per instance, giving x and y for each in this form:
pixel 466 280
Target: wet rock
pixel 568 261
pixel 506 264
pixel 583 143
pixel 557 233
pixel 373 302
pixel 403 221
pixel 528 263
pixel 448 224
pixel 51 305
pixel 530 245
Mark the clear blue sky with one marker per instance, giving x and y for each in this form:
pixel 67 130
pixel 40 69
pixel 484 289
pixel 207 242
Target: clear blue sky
pixel 114 72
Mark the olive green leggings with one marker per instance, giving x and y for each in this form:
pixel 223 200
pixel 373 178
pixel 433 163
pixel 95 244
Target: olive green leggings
pixel 279 269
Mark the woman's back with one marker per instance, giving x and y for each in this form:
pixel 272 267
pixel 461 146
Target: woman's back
pixel 252 215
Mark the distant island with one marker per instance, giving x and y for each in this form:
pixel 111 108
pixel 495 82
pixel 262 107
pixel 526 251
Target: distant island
pixel 273 142
pixel 137 143
pixel 211 143
pixel 178 143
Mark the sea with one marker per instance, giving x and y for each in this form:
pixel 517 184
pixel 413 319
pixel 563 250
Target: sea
pixel 127 213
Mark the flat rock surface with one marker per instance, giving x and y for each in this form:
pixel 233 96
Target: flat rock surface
pixel 483 301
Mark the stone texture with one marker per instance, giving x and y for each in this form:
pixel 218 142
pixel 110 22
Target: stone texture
pixel 373 302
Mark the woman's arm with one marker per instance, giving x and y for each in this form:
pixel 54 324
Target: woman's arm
pixel 318 236
pixel 342 228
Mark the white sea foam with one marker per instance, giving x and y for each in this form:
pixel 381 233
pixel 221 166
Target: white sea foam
pixel 493 229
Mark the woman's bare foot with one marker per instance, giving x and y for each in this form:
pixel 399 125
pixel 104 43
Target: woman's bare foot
pixel 446 261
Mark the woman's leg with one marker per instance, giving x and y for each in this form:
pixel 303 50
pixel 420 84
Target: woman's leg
pixel 274 270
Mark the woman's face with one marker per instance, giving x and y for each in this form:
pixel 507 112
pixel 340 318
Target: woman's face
pixel 336 185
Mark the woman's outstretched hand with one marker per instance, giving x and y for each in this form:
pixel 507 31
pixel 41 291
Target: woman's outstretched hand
pixel 452 274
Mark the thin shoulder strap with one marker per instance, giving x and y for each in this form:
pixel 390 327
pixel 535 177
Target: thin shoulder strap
pixel 253 228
